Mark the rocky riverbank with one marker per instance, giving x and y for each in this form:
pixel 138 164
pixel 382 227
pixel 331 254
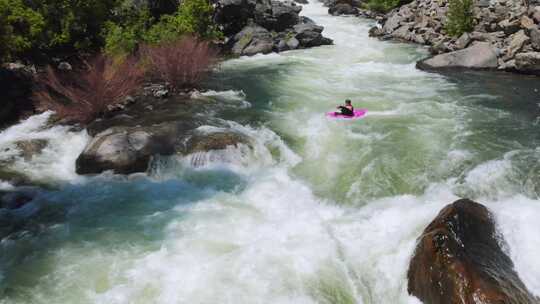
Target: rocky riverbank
pixel 506 34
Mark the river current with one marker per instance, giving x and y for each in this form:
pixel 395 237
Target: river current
pixel 317 211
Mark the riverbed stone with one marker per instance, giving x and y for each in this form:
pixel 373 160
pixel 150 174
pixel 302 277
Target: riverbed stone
pixel 392 23
pixel 463 41
pixel 509 26
pixel 528 63
pixel 479 56
pixel 460 258
pixel 535 39
pixel 517 42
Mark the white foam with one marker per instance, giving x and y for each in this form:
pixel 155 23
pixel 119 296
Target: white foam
pixel 56 162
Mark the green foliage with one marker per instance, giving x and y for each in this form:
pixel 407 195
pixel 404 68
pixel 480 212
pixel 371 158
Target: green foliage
pixel 32 28
pixel 193 17
pixel 73 25
pixel 382 6
pixel 37 29
pixel 459 17
pixel 20 28
pixel 124 37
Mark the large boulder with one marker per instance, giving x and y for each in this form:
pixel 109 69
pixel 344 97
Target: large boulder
pixel 16 84
pixel 310 35
pixel 127 142
pixel 342 9
pixel 264 26
pixel 233 15
pixel 535 39
pixel 253 39
pixel 479 56
pixel 277 15
pixel 130 150
pixel 528 63
pixel 123 150
pixel 459 259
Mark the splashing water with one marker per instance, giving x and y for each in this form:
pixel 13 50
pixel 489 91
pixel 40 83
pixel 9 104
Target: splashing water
pixel 311 210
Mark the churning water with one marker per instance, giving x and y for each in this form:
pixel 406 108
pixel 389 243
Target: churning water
pixel 313 211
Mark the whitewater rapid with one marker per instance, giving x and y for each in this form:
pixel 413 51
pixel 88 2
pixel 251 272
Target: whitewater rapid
pixel 312 211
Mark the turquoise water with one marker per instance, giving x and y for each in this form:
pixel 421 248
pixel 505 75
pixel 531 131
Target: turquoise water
pixel 314 211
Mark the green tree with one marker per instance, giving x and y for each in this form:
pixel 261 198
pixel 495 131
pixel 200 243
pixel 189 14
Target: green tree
pixel 124 36
pixel 459 17
pixel 192 17
pixel 382 6
pixel 20 28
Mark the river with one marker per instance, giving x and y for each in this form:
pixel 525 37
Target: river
pixel 318 211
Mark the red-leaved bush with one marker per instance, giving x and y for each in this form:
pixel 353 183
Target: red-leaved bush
pixel 182 63
pixel 85 95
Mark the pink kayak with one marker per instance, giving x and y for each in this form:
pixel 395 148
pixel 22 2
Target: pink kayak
pixel 357 114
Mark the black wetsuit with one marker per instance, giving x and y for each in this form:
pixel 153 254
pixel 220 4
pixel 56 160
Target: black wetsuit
pixel 346 111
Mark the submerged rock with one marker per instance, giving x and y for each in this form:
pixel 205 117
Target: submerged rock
pixel 459 259
pixel 17 198
pixel 479 56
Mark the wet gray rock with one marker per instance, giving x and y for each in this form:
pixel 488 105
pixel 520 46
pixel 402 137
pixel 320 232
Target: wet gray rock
pixel 528 63
pixel 122 150
pixel 208 141
pixel 128 141
pixel 479 56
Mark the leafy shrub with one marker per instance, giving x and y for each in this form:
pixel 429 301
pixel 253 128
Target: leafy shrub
pixel 193 17
pixel 88 93
pixel 384 6
pixel 31 29
pixel 20 27
pixel 182 63
pixel 459 17
pixel 124 37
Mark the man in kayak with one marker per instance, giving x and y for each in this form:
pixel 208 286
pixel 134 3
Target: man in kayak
pixel 347 109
